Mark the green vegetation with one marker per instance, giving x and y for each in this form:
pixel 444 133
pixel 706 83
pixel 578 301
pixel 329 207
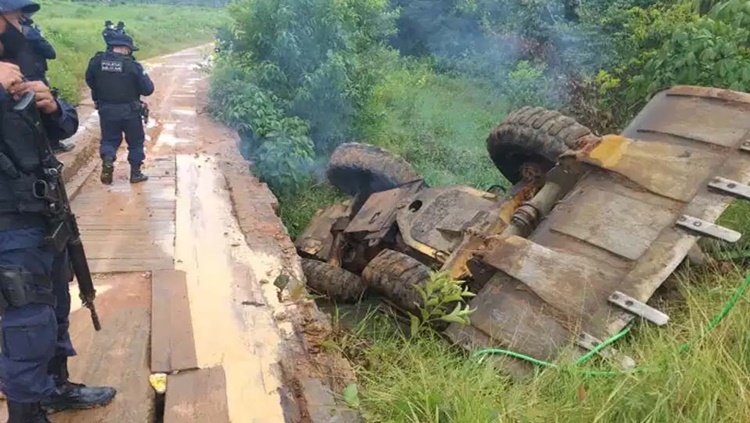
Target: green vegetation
pixel 74 29
pixel 424 380
pixel 428 79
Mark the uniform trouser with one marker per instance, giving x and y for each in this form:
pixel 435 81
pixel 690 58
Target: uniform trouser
pixel 112 130
pixel 35 338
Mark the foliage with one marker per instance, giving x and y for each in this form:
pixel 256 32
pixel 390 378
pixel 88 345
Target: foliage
pixel 734 12
pixel 442 301
pixel 74 29
pixel 293 76
pixel 199 3
pixel 705 53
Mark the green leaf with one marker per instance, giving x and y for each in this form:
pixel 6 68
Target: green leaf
pixel 415 324
pixel 351 395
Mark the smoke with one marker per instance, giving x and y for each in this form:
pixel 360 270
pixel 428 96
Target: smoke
pixel 488 39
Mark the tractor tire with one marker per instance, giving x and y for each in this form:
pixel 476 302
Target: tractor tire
pixel 356 168
pixel 336 283
pixel 394 275
pixel 532 135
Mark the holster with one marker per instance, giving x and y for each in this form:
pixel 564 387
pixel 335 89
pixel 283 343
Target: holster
pixel 19 288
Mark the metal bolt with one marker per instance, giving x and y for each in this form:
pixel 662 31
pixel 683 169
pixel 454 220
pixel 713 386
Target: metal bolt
pixel 732 185
pixel 697 224
pixel 615 296
pixel 682 218
pixel 629 303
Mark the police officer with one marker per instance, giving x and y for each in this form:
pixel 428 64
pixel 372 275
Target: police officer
pixel 34 64
pixel 117 82
pixel 41 51
pixel 34 279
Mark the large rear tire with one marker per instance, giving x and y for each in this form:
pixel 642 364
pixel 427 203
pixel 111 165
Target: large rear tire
pixel 336 283
pixel 532 136
pixel 363 169
pixel 395 275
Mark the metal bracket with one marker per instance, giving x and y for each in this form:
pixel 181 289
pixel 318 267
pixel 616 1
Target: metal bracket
pixel 730 187
pixel 589 342
pixel 638 308
pixel 745 146
pixel 708 229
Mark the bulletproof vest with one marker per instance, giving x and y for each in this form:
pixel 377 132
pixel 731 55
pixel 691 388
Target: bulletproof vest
pixel 115 79
pixel 28 62
pixel 20 168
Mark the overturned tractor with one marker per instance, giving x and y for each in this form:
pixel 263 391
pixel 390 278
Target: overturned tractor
pixel 569 255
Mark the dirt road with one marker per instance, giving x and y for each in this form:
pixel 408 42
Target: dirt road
pixel 184 266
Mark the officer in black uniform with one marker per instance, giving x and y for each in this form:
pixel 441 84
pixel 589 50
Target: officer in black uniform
pixel 41 50
pixel 34 277
pixel 117 82
pixel 34 64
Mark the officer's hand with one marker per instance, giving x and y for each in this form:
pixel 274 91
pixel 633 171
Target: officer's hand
pixel 10 76
pixel 44 99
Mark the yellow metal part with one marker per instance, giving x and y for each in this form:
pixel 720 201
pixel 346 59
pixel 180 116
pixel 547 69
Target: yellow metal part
pixel 457 264
pixel 672 170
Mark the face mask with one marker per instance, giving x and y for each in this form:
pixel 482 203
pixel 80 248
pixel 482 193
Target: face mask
pixel 13 41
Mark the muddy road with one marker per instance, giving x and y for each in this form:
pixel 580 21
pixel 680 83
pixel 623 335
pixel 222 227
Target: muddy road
pixel 184 266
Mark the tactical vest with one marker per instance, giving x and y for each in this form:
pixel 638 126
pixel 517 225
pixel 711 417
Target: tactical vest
pixel 28 62
pixel 20 169
pixel 115 78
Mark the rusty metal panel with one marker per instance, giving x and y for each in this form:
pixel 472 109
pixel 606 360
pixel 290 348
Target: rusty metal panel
pixel 599 217
pixel 379 211
pixel 621 218
pixel 317 239
pixel 437 217
pixel 706 115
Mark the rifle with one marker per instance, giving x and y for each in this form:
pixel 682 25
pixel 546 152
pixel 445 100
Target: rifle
pixel 51 188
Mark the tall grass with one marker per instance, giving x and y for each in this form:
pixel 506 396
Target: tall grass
pixel 426 381
pixel 74 29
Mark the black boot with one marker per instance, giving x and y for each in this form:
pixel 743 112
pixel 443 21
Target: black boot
pixel 136 175
pixel 108 169
pixel 19 412
pixel 74 396
pixel 62 148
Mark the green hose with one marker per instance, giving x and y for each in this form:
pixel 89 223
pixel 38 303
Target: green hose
pixel 738 293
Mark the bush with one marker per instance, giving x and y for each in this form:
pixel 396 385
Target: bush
pixel 293 77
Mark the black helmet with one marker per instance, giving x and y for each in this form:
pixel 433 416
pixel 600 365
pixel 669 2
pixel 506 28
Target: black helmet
pixel 122 40
pixel 28 7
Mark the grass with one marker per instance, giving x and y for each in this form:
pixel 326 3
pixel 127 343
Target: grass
pixel 426 381
pixel 440 123
pixel 436 122
pixel 74 29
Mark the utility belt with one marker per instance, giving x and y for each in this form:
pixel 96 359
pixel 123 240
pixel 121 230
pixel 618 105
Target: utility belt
pixel 134 104
pixel 37 200
pixel 19 288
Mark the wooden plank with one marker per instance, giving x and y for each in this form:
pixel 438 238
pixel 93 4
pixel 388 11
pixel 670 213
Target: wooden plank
pixel 197 396
pixel 172 340
pixel 116 356
pixel 112 265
